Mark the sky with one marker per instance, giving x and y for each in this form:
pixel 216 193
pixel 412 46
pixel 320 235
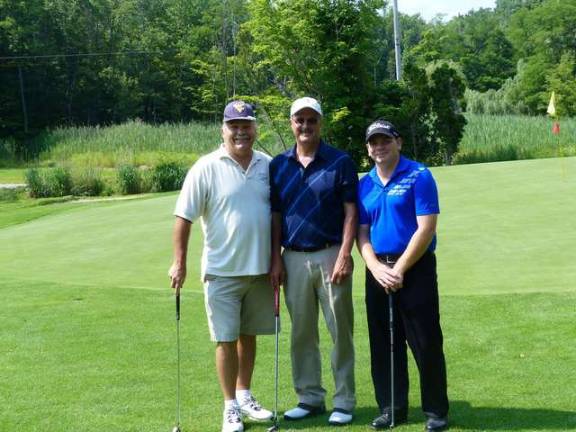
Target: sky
pixel 429 8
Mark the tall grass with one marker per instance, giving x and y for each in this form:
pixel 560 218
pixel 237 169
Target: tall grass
pixel 134 143
pixel 487 138
pixel 490 138
pixel 128 143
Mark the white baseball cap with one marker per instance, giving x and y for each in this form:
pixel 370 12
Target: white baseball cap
pixel 305 102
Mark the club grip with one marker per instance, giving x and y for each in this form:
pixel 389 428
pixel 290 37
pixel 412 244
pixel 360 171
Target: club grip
pixel 178 307
pixel 277 302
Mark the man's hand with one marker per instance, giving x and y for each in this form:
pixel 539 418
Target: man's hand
pixel 342 268
pixel 177 274
pixel 390 279
pixel 277 272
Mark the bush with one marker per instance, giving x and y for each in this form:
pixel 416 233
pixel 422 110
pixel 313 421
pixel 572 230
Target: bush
pixel 88 182
pixel 168 176
pixel 129 180
pixel 58 182
pixel 11 195
pixel 54 182
pixel 35 183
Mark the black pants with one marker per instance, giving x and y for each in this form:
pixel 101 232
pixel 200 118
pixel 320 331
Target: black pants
pixel 416 321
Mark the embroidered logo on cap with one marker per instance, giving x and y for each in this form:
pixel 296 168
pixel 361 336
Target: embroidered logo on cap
pixel 239 106
pixel 378 126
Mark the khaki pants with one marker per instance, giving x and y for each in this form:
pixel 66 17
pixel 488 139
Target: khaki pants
pixel 307 286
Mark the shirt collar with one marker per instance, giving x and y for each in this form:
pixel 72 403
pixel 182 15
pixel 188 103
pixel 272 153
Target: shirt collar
pixel 322 152
pixel 223 154
pixel 402 166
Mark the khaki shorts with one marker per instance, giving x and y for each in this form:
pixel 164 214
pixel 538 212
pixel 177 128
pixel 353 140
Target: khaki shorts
pixel 238 305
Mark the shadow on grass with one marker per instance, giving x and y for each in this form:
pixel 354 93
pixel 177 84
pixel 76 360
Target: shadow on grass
pixel 463 416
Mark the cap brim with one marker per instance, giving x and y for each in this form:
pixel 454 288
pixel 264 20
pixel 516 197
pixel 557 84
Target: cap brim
pixel 380 132
pixel 240 118
pixel 304 107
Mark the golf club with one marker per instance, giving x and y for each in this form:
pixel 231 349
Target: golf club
pixel 177 427
pixel 275 427
pixel 391 313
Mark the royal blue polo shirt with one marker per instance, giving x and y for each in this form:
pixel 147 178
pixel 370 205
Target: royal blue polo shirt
pixel 311 200
pixel 391 210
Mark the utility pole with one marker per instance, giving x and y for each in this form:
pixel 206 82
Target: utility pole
pixel 397 52
pixel 23 99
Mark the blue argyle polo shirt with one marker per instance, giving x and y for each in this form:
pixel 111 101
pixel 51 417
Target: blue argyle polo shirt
pixel 311 200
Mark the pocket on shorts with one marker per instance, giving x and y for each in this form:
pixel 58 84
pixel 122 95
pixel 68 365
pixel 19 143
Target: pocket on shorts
pixel 209 278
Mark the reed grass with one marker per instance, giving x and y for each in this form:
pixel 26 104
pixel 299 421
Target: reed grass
pixel 493 138
pixel 135 143
pixel 487 138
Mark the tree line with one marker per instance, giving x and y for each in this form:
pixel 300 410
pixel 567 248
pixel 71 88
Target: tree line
pixel 99 62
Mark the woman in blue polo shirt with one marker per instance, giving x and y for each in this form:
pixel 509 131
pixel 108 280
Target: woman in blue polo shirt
pixel 398 209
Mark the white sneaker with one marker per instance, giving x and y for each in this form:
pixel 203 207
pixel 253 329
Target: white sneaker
pixel 303 410
pixel 252 409
pixel 340 417
pixel 232 420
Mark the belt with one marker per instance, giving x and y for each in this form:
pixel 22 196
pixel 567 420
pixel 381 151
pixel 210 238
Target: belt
pixel 309 249
pixel 388 258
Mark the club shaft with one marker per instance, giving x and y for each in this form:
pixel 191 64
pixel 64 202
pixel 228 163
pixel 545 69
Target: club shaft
pixel 276 352
pixel 391 314
pixel 178 360
pixel 276 374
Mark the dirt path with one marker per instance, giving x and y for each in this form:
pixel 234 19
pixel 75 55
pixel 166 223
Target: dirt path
pixel 12 185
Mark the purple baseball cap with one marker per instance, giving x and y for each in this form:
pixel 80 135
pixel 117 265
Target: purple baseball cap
pixel 239 110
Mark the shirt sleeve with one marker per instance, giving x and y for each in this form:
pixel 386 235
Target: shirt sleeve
pixel 191 202
pixel 363 216
pixel 349 182
pixel 274 192
pixel 426 194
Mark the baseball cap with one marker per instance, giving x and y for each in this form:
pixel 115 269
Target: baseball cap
pixel 305 102
pixel 239 110
pixel 381 127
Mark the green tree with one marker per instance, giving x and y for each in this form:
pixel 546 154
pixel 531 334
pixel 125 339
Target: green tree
pixel 447 96
pixel 562 80
pixel 325 49
pixel 542 35
pixel 476 42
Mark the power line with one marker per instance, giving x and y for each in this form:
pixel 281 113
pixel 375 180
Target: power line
pixel 51 56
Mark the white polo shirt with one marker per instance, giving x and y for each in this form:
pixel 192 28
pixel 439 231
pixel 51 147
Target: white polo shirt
pixel 234 209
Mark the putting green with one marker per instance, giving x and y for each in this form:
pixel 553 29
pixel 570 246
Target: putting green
pixel 504 228
pixel 87 340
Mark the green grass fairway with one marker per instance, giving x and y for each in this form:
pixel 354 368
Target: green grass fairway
pixel 12 175
pixel 87 340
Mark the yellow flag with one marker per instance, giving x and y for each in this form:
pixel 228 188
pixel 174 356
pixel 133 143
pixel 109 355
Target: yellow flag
pixel 552 105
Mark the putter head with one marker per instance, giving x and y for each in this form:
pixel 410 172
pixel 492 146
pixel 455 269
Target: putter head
pixel 176 429
pixel 273 428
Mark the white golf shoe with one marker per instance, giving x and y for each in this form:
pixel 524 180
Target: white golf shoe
pixel 340 417
pixel 232 420
pixel 252 409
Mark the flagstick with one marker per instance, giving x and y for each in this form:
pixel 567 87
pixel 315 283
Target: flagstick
pixel 562 159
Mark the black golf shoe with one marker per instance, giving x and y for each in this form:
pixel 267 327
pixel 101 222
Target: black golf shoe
pixel 436 424
pixel 384 420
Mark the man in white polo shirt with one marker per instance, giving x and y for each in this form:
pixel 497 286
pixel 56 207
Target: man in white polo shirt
pixel 228 190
